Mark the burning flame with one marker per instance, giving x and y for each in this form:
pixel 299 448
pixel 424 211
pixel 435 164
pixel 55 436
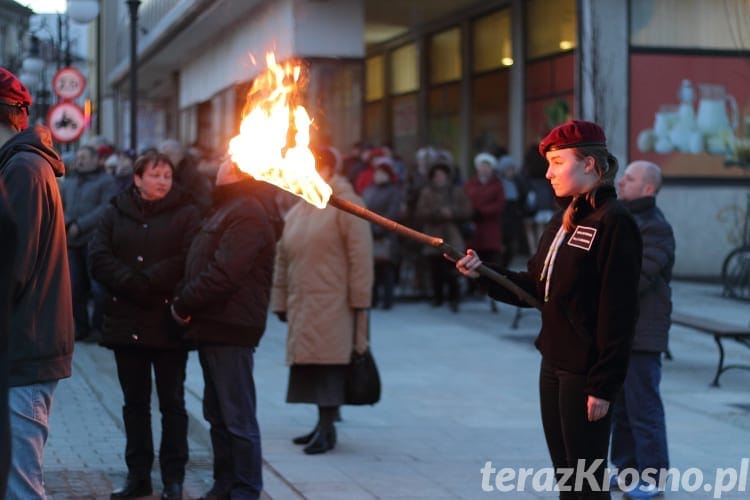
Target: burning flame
pixel 273 143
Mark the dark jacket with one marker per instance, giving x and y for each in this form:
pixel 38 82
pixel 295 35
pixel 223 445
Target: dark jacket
pixel 7 262
pixel 190 180
pixel 589 320
pixel 138 254
pixel 384 199
pixel 652 329
pixel 41 341
pixel 432 199
pixel 229 267
pixel 85 197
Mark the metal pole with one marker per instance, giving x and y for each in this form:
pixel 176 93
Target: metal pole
pixel 133 5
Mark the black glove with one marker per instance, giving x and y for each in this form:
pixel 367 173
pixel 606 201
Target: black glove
pixel 281 315
pixel 136 284
pixel 138 290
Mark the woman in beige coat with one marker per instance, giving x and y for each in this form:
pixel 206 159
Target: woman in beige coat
pixel 322 286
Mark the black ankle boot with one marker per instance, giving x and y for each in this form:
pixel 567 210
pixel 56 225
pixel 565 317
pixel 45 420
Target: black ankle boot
pixel 324 440
pixel 306 438
pixel 134 487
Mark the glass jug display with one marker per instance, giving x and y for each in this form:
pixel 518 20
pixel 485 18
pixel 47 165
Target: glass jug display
pixel 712 117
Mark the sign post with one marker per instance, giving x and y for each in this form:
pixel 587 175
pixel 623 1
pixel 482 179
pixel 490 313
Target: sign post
pixel 66 119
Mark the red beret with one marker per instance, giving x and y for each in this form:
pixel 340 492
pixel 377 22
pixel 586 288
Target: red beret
pixel 573 134
pixel 12 91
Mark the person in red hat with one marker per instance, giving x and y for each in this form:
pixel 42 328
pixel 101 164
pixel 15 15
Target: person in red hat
pixel 40 344
pixel 384 197
pixel 7 261
pixel 585 276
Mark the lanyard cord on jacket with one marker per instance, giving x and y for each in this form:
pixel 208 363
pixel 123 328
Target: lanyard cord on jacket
pixel 567 226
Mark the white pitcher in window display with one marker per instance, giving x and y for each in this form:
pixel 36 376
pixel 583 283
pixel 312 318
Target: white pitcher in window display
pixel 712 118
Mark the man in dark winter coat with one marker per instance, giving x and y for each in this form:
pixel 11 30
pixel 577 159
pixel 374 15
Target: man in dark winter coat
pixel 639 437
pixel 40 345
pixel 7 261
pixel 223 299
pixel 187 177
pixel 85 196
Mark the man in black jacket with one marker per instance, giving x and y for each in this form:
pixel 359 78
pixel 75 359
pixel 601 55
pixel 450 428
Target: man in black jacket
pixel 40 345
pixel 639 437
pixel 7 261
pixel 223 299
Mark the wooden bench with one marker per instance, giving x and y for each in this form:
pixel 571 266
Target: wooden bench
pixel 720 331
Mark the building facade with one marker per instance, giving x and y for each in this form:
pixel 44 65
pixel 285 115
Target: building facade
pixel 666 79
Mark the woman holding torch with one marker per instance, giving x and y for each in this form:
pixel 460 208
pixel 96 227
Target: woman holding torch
pixel 585 274
pixel 322 287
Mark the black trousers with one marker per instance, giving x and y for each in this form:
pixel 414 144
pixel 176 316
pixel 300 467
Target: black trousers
pixel 385 278
pixel 134 371
pixel 444 275
pixel 573 442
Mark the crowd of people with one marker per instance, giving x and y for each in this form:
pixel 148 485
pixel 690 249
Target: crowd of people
pixel 171 250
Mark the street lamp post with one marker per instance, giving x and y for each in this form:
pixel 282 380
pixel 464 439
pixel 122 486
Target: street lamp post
pixel 133 5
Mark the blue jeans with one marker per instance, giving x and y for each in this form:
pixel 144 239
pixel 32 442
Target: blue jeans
pixel 30 406
pixel 639 433
pixel 229 406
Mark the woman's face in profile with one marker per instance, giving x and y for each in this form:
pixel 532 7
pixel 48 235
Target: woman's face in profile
pixel 569 175
pixel 155 182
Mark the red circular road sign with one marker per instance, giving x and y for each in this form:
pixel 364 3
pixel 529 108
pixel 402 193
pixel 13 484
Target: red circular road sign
pixel 66 120
pixel 68 83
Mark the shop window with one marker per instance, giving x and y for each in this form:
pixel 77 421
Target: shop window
pixel 445 56
pixel 404 70
pixel 375 122
pixel 490 120
pixel 444 123
pixel 492 46
pixel 374 78
pixel 550 30
pixel 404 125
pixel 702 24
pixel 549 85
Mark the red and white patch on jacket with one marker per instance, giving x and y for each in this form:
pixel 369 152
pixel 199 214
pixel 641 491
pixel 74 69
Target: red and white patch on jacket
pixel 583 237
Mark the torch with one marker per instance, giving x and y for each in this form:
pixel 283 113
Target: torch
pixel 272 146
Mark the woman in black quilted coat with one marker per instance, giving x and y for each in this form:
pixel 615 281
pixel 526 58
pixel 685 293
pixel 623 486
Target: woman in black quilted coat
pixel 138 254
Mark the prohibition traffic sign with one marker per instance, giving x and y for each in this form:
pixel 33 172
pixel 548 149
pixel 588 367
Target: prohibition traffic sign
pixel 66 121
pixel 68 83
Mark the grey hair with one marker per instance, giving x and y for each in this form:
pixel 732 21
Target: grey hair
pixel 651 173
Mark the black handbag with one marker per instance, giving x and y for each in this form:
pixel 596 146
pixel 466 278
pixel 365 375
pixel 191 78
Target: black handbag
pixel 363 379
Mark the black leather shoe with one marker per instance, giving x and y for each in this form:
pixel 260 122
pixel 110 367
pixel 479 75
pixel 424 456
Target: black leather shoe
pixel 134 487
pixel 172 491
pixel 324 440
pixel 306 438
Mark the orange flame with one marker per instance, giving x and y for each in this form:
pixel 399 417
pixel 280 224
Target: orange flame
pixel 273 143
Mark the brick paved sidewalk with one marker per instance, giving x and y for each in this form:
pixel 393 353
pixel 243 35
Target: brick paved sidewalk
pixel 84 457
